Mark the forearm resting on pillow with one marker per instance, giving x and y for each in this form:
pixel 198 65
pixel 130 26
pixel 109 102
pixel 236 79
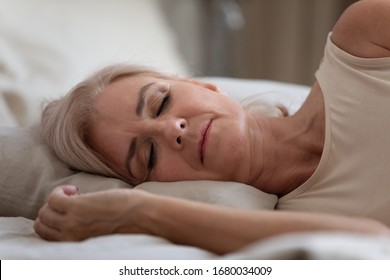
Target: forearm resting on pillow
pixel 69 216
pixel 223 230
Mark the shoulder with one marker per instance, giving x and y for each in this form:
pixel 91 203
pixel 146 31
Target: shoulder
pixel 363 29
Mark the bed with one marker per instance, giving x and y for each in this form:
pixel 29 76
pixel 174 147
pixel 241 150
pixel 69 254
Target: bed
pixel 37 64
pixel 29 171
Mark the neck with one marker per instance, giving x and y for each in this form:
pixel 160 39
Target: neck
pixel 287 150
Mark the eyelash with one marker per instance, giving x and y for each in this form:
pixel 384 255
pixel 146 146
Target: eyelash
pixel 152 158
pixel 163 104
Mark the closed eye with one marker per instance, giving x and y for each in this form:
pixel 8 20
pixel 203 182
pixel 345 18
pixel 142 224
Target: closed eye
pixel 152 157
pixel 163 104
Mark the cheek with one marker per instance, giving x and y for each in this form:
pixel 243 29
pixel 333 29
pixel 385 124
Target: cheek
pixel 172 168
pixel 232 146
pixel 209 101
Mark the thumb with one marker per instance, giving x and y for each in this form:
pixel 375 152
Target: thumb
pixel 58 198
pixel 69 189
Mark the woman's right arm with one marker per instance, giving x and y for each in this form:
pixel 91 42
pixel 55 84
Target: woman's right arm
pixel 223 230
pixel 218 229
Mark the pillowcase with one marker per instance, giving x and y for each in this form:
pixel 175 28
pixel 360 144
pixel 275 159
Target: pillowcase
pixel 230 194
pixel 290 95
pixel 29 170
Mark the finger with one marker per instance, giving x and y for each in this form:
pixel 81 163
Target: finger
pixel 46 232
pixel 69 189
pixel 50 217
pixel 59 200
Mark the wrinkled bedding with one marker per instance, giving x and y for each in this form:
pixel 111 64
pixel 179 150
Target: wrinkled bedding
pixel 40 61
pixel 18 241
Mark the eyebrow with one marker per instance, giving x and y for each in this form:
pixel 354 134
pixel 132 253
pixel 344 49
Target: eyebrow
pixel 141 98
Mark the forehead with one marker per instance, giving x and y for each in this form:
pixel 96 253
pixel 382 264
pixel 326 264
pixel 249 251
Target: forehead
pixel 114 109
pixel 126 87
pixel 120 95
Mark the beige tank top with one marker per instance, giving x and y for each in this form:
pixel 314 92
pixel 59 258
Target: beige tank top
pixel 353 176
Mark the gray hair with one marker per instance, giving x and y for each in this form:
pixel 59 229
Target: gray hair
pixel 65 122
pixel 257 105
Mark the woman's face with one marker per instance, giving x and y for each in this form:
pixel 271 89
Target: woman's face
pixel 168 130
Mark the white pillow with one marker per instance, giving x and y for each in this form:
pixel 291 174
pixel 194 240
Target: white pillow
pixel 291 96
pixel 29 170
pixel 229 194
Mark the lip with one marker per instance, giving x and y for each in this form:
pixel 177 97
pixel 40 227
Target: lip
pixel 204 133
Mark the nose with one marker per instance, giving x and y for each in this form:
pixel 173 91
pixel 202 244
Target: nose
pixel 172 132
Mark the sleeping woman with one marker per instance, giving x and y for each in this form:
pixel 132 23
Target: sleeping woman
pixel 328 163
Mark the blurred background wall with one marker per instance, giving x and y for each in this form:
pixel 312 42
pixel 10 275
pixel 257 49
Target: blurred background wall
pixel 47 46
pixel 266 39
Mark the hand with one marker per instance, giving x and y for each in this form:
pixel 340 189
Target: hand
pixel 69 216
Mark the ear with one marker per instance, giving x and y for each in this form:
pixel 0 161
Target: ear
pixel 206 85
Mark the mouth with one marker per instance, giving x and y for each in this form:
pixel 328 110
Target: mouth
pixel 204 132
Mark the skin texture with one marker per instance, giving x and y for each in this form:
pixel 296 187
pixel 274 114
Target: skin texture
pixel 69 217
pixel 362 31
pixel 175 128
pixel 193 139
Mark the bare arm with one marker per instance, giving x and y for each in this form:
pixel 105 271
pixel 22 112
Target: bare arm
pixel 217 229
pixel 225 229
pixel 364 29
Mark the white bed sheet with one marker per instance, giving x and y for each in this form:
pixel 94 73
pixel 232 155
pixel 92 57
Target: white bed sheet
pixel 19 241
pixel 40 63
